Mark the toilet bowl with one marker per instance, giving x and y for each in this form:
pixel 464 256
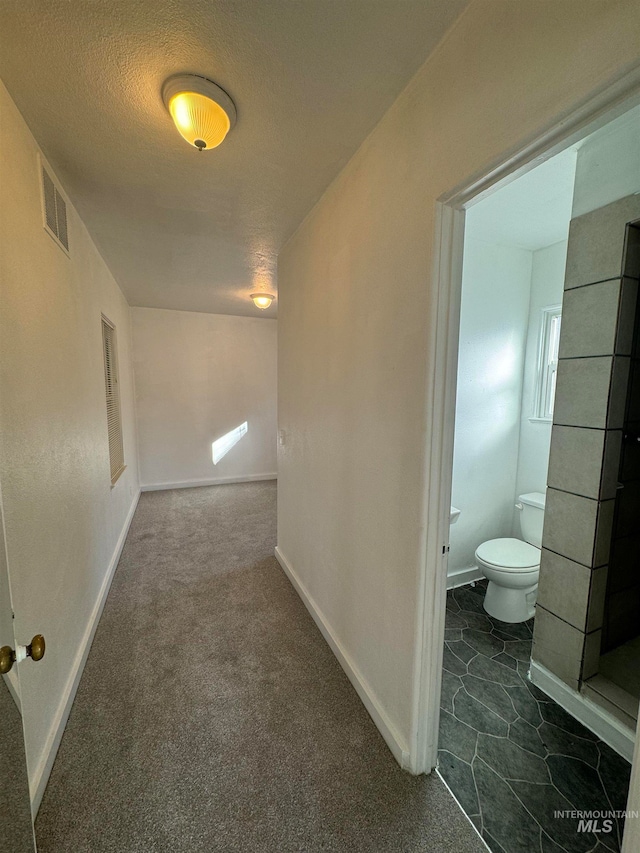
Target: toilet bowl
pixel 512 566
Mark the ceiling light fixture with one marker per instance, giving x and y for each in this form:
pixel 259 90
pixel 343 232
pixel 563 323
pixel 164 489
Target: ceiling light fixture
pixel 201 110
pixel 262 300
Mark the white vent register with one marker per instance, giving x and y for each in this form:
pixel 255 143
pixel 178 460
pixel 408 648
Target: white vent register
pixel 54 208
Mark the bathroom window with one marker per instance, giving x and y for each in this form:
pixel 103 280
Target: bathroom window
pixel 547 363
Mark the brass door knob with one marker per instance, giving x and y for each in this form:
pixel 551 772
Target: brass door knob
pixel 35 650
pixel 7 659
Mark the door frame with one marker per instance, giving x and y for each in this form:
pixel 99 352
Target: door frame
pixel 605 104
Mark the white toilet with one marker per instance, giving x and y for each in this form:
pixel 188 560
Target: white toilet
pixel 512 566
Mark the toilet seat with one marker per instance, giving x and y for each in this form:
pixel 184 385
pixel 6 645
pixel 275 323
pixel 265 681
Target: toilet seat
pixel 512 555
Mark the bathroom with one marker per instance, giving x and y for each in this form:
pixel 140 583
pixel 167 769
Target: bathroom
pixel 539 704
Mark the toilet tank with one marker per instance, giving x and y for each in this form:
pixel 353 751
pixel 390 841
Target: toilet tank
pixel 531 508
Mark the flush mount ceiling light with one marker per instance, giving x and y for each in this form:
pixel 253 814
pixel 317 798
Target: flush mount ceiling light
pixel 262 299
pixel 202 111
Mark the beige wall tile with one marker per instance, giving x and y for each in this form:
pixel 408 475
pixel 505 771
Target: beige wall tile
pixel 564 588
pixel 558 646
pixel 597 241
pixel 575 460
pixel 590 320
pixel 570 526
pixel 582 394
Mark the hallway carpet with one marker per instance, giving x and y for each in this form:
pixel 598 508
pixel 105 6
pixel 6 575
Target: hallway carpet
pixel 212 716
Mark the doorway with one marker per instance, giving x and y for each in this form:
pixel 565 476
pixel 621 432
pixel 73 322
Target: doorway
pixel 501 652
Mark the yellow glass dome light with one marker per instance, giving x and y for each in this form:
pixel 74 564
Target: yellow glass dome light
pixel 202 112
pixel 261 299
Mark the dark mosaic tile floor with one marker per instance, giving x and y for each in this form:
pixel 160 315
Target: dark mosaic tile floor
pixel 510 754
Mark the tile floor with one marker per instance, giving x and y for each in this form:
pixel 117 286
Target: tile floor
pixel 510 754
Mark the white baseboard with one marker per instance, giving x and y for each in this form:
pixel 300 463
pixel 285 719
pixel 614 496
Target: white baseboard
pixel 393 739
pixel 40 776
pixel 460 577
pixel 592 716
pixel 218 481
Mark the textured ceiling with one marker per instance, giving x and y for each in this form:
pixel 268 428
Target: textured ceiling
pixel 199 231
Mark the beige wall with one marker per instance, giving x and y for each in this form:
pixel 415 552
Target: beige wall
pixel 355 370
pixel 63 519
pixel 197 377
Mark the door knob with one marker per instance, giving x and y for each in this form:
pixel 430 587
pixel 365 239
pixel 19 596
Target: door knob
pixel 35 650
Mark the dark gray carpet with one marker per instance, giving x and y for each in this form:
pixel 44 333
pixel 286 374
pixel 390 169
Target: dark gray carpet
pixel 16 832
pixel 212 716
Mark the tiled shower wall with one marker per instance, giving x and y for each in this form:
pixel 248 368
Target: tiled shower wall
pixel 601 285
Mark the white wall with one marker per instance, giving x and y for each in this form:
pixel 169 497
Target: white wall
pixel 197 377
pixel 493 333
pixel 63 519
pixel 547 288
pixel 356 307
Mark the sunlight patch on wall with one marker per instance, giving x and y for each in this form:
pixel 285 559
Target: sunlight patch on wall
pixel 221 446
pixel 503 366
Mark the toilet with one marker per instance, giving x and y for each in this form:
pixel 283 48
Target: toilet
pixel 512 566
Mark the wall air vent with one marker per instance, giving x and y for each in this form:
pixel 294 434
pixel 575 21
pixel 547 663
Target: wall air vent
pixel 54 208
